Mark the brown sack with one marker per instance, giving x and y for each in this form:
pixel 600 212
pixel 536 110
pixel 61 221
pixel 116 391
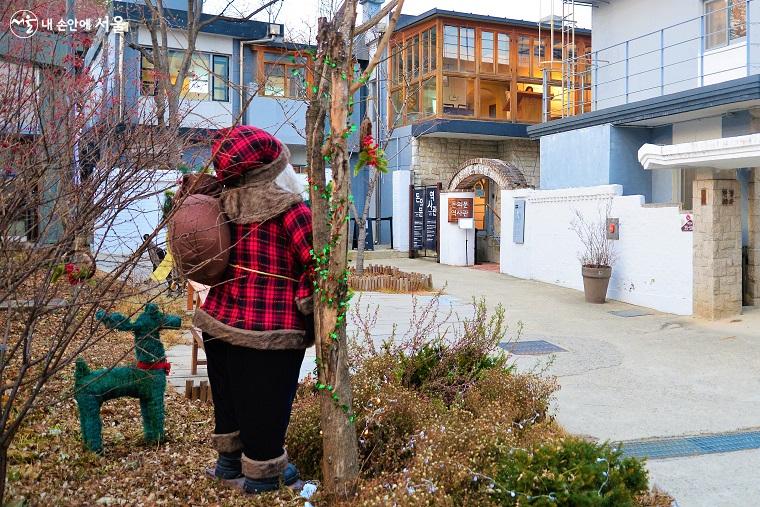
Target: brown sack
pixel 199 238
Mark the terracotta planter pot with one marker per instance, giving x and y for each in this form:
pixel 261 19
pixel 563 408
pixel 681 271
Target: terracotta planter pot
pixel 595 282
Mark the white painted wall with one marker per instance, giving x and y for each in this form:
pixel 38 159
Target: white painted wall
pixel 652 32
pixel 654 257
pixel 639 22
pixel 702 129
pixel 401 182
pixel 726 63
pixel 457 246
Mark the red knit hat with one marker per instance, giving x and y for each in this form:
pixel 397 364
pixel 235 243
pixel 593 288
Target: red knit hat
pixel 249 151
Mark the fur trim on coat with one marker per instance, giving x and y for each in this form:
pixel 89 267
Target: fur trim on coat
pixel 276 339
pixel 256 197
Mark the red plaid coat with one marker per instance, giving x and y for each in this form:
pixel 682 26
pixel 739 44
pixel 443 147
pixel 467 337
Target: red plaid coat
pixel 256 302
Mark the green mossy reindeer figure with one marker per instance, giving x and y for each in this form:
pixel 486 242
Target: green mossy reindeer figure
pixel 146 380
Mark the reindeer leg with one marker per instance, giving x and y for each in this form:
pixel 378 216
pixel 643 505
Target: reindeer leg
pixel 152 408
pixel 89 421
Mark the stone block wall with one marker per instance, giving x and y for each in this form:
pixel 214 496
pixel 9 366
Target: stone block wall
pixel 717 248
pixel 523 153
pixel 438 159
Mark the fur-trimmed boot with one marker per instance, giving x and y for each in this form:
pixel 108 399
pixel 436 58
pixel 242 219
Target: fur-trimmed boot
pixel 269 475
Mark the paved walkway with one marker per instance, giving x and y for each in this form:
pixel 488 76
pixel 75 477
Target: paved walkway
pixel 622 378
pixel 639 378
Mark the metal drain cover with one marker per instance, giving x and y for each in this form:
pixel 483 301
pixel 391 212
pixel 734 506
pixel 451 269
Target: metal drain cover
pixel 531 347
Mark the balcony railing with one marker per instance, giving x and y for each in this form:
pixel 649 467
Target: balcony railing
pixel 720 45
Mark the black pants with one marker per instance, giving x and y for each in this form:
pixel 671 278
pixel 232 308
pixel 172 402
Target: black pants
pixel 253 392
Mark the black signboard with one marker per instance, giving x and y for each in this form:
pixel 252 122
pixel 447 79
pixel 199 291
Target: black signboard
pixel 423 222
pixel 418 219
pixel 431 218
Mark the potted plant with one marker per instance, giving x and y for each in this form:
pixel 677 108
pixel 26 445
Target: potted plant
pixel 597 256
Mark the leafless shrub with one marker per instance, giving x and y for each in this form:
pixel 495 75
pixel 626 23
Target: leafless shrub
pixel 598 251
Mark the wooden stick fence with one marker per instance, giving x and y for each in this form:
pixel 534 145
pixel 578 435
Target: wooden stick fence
pixel 201 392
pixel 376 278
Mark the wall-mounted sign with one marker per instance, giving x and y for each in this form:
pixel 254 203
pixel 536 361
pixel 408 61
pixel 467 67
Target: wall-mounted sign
pixel 460 207
pixel 418 218
pixel 518 230
pixel 687 222
pixel 431 218
pixel 424 219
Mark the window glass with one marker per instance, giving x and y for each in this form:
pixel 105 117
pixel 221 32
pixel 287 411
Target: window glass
pixel 274 80
pixel 396 66
pixel 428 97
pixel 196 85
pixel 414 51
pixel 716 23
pixel 412 102
pixel 486 57
pixel 539 55
pixel 450 47
pixel 458 96
pixel 199 80
pixel 284 75
pixel 148 78
pixel 297 82
pixel 221 78
pixel 738 17
pixel 503 53
pixel 523 55
pixel 397 108
pixel 433 50
pixel 467 49
pixel 426 51
pixel 494 100
pixel 408 60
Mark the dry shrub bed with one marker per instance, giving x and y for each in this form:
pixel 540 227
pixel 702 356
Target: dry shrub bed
pixel 448 422
pixel 439 424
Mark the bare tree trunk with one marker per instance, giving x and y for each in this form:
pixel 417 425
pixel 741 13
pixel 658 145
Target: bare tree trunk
pixel 340 465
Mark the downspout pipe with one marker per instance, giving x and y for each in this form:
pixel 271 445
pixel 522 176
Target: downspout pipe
pixel 242 117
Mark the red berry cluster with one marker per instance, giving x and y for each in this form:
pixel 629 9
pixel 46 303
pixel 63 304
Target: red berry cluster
pixel 73 274
pixel 371 149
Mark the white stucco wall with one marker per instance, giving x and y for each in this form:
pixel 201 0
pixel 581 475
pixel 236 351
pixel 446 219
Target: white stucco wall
pixel 457 246
pixel 651 33
pixel 653 265
pixel 401 182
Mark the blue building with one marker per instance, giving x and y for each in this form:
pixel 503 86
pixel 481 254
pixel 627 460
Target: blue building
pixel 672 116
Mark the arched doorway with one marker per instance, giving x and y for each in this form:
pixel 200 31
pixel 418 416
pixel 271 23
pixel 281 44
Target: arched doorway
pixel 487 177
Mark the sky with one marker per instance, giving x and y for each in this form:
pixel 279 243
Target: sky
pixel 299 15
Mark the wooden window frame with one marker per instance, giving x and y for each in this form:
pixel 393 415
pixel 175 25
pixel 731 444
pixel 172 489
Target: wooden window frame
pixel 286 61
pixel 511 76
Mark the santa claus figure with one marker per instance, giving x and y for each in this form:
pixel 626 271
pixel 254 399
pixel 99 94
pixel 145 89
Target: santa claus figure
pixel 256 323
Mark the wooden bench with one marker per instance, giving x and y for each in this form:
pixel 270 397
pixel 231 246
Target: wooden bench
pixel 194 300
pixel 197 344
